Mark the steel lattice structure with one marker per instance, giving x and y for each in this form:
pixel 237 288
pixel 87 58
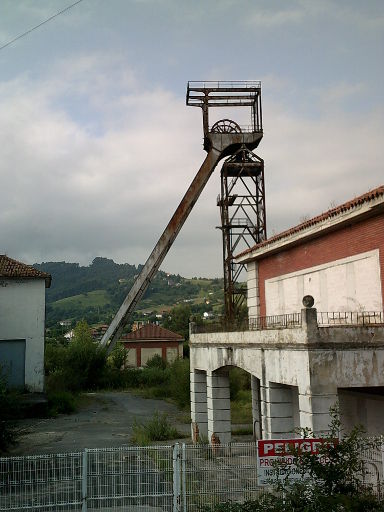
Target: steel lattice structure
pixel 222 139
pixel 243 224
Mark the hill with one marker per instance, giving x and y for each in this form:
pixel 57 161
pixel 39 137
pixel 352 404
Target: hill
pixel 95 292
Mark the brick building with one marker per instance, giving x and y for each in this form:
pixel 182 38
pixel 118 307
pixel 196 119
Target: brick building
pixel 303 360
pixel 149 340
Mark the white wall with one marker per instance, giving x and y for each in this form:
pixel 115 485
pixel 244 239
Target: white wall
pixel 22 316
pixel 348 284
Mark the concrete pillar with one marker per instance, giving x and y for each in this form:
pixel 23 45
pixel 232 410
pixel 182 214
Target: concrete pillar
pixel 256 407
pixel 314 411
pixel 199 416
pixel 280 412
pixel 253 295
pixel 219 406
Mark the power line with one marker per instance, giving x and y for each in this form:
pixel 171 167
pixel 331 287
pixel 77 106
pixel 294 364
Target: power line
pixel 39 25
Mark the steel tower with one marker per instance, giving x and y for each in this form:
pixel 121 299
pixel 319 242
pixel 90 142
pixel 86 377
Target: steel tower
pixel 222 139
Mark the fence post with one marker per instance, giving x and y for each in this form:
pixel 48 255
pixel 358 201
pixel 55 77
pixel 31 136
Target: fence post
pixel 176 478
pixel 183 465
pixel 84 482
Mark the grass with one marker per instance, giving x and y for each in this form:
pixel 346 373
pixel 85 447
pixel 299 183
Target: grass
pixel 90 299
pixel 61 402
pixel 241 407
pixel 156 429
pixel 245 431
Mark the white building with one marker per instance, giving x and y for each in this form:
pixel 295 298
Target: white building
pixel 303 360
pixel 22 323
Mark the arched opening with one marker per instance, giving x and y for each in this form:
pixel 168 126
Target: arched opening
pixel 362 406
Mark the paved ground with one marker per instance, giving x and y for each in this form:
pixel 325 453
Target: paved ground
pixel 105 420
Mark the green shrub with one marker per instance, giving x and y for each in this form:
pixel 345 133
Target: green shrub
pixel 9 409
pixel 61 402
pixel 156 361
pixel 131 377
pixel 179 385
pixel 154 376
pixel 156 429
pixel 118 357
pixel 238 380
pixel 79 366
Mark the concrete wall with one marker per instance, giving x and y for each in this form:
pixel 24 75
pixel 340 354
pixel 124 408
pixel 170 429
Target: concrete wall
pixel 296 372
pixel 348 284
pixel 172 354
pixel 253 298
pixel 362 408
pixel 148 353
pixel 131 357
pixel 22 316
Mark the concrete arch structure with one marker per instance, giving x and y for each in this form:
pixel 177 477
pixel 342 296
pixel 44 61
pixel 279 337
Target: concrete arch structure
pixel 298 374
pixel 302 363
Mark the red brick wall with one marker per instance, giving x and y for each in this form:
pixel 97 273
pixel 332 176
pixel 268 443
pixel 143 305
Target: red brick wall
pixel 348 241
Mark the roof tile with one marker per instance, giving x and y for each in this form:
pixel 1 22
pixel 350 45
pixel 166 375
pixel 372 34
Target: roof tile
pixel 152 332
pixel 13 269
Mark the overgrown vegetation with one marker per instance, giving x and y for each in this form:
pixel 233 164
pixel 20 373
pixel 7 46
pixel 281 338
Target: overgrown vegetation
pixel 78 366
pixel 82 365
pixel 9 408
pixel 156 429
pixel 330 481
pixel 241 397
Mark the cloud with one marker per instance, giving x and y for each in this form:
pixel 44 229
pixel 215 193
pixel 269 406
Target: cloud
pixel 94 161
pixel 69 191
pixel 313 163
pixel 272 15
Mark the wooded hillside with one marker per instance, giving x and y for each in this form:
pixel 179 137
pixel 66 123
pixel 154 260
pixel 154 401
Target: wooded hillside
pixel 95 292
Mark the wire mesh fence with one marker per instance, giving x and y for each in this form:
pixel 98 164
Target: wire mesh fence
pixel 43 482
pixel 179 478
pixel 216 474
pixel 131 478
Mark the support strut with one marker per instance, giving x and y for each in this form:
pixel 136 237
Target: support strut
pixel 161 249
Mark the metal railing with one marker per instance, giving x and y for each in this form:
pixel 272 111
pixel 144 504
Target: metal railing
pixel 288 321
pixel 354 318
pixel 244 84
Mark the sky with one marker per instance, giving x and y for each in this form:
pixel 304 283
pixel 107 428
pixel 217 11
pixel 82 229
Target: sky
pixel 97 146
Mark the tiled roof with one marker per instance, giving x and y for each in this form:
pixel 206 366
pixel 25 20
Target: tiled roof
pixel 334 212
pixel 12 269
pixel 152 332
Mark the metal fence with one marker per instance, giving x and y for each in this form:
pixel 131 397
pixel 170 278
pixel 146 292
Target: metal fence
pixel 287 321
pixel 179 478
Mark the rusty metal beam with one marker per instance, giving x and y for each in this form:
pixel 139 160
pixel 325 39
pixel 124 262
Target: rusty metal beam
pixel 161 249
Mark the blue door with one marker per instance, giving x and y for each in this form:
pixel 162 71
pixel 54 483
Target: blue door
pixel 12 362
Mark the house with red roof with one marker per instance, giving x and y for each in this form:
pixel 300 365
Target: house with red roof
pixel 22 323
pixel 150 340
pixel 315 335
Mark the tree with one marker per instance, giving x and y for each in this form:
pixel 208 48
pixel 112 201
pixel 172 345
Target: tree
pixel 178 320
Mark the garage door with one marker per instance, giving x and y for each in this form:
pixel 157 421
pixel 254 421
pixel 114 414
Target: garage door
pixel 12 361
